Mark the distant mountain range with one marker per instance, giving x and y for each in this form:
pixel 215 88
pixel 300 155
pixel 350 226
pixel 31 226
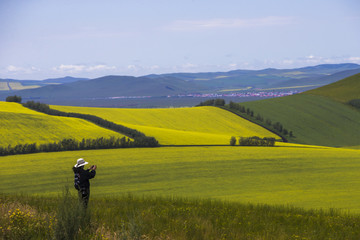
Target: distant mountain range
pixel 177 83
pixel 269 77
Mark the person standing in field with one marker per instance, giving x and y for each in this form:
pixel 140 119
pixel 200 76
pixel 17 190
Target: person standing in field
pixel 81 179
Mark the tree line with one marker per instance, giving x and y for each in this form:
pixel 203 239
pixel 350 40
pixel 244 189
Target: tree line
pixel 212 102
pixel 14 98
pixel 253 141
pixel 249 114
pixel 355 103
pixel 140 139
pixel 69 144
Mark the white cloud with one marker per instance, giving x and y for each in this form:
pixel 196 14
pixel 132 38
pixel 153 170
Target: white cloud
pixel 132 67
pixel 189 66
pixel 233 65
pixel 330 60
pixel 100 67
pixel 228 23
pixel 310 57
pixel 154 67
pixel 288 62
pixel 82 68
pixel 69 68
pixel 310 60
pixel 354 59
pixel 13 70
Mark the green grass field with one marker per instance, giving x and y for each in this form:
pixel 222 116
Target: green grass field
pixel 180 126
pixel 313 119
pixel 19 125
pixel 309 177
pixel 342 91
pixel 319 116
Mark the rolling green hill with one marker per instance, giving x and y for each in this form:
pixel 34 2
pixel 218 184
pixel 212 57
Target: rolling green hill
pixel 319 116
pixel 313 119
pixel 20 125
pixel 342 91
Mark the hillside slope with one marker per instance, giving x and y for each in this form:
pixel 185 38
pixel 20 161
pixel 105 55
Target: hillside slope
pixel 313 119
pixel 180 126
pixel 343 90
pixel 318 116
pixel 20 125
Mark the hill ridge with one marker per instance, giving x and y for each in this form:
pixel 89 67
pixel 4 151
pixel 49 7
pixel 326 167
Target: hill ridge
pixel 320 116
pixel 343 91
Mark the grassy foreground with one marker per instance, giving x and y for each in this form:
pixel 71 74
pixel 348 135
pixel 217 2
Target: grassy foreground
pixel 131 217
pixel 301 176
pixel 20 125
pixel 180 126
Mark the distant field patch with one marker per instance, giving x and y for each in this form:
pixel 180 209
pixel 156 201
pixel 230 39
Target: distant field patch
pixel 19 125
pixel 4 86
pixel 180 126
pixel 19 86
pixel 294 73
pixel 300 176
pixel 292 87
pixel 233 90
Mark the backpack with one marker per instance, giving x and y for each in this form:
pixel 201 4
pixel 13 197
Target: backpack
pixel 77 181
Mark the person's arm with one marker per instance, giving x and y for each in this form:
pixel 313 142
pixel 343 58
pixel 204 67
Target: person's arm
pixel 90 173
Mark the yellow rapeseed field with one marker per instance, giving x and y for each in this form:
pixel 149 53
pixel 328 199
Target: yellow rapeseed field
pixel 180 126
pixel 20 125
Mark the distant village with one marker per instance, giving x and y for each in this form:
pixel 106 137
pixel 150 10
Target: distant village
pixel 264 94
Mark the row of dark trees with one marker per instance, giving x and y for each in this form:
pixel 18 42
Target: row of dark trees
pixel 139 138
pixel 69 144
pixel 14 98
pixel 253 141
pixel 212 102
pixel 276 126
pixel 355 103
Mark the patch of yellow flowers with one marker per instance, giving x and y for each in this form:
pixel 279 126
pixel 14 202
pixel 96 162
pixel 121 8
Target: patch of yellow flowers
pixel 23 222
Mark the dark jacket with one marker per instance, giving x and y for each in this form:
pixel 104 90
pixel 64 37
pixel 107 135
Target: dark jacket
pixel 85 175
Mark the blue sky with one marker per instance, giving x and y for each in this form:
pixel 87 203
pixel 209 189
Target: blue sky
pixel 90 38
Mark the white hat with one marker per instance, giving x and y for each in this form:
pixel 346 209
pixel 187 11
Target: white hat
pixel 80 162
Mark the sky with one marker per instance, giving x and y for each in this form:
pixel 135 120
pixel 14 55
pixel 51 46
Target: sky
pixel 42 39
